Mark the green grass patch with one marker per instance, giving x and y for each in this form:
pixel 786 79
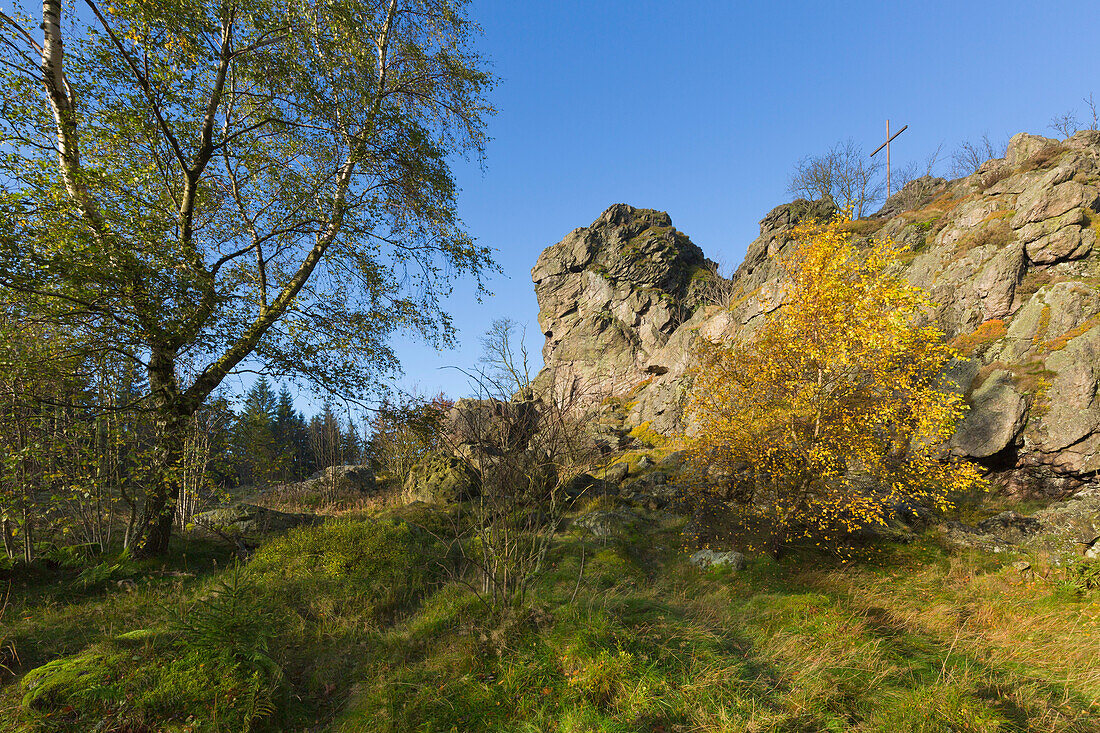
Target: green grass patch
pixel 366 625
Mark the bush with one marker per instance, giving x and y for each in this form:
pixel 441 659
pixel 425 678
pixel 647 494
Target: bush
pixel 403 432
pixel 836 410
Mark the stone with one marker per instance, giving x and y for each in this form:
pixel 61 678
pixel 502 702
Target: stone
pixel 440 479
pixel 1068 243
pixel 1015 243
pixel 674 461
pixel 585 486
pixel 1074 217
pixel 1072 419
pixel 495 426
pixel 996 285
pixel 607 524
pixel 994 420
pixel 1010 526
pixel 1044 202
pixel 1022 146
pixel 711 558
pixel 248 521
pixel 357 478
pixel 913 195
pixel 335 482
pixel 610 294
pixel 616 472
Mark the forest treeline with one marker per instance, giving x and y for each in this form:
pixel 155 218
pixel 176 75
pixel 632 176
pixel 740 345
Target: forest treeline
pixel 76 437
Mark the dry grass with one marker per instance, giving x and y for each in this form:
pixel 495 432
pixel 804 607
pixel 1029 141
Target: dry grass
pixel 998 214
pixel 864 227
pixel 995 234
pixel 1000 617
pixel 1060 342
pixel 1042 157
pixel 995 176
pixel 1042 328
pixel 938 206
pixel 981 337
pixel 315 498
pixel 1031 376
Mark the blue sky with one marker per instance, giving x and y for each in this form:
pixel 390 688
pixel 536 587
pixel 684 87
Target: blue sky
pixel 702 108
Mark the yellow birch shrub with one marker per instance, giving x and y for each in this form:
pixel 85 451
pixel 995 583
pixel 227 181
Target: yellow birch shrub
pixel 836 410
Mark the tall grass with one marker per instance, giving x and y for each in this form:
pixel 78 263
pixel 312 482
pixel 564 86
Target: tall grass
pixel 368 632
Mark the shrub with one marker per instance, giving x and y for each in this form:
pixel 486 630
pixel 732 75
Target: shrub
pixel 836 409
pixel 403 432
pixel 985 334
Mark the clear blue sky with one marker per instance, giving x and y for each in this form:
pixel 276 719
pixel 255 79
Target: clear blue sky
pixel 701 109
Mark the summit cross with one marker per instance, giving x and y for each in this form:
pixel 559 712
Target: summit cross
pixel 886 145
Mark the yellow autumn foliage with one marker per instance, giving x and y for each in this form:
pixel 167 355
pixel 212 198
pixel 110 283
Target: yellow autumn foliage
pixel 836 410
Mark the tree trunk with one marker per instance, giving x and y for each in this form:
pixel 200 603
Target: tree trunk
pixel 154 527
pixel 9 537
pixel 172 414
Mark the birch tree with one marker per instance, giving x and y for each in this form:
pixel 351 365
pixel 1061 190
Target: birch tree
pixel 243 184
pixel 836 410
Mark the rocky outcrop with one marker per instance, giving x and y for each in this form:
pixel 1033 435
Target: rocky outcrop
pixel 248 522
pixel 1065 530
pixel 438 478
pixel 610 295
pixel 1008 254
pixel 491 427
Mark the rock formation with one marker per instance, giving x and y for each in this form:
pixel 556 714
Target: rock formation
pixel 610 296
pixel 1008 254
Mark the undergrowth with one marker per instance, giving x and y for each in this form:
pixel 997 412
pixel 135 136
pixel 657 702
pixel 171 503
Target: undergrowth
pixel 364 625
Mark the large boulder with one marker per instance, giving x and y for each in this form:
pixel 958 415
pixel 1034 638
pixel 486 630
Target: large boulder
pixel 438 478
pixel 334 484
pixel 708 558
pixel 347 478
pixel 494 426
pixel 248 522
pixel 611 294
pixel 608 524
pixel 994 420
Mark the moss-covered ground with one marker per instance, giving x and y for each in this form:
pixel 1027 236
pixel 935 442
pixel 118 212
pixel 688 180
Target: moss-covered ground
pixel 365 624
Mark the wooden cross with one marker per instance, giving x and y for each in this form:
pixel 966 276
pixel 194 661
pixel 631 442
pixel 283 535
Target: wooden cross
pixel 887 146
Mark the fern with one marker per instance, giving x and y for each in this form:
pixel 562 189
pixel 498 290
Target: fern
pixel 105 571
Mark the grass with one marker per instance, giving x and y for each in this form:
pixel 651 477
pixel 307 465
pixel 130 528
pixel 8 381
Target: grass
pixel 995 234
pixel 864 227
pixel 371 633
pixel 987 333
pixel 1042 158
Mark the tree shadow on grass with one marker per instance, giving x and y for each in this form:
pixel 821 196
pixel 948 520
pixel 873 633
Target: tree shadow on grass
pixel 928 660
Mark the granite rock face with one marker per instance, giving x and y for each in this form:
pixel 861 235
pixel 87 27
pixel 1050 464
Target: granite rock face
pixel 611 295
pixel 1008 255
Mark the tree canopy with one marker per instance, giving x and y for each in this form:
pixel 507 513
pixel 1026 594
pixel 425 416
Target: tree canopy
pixel 200 187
